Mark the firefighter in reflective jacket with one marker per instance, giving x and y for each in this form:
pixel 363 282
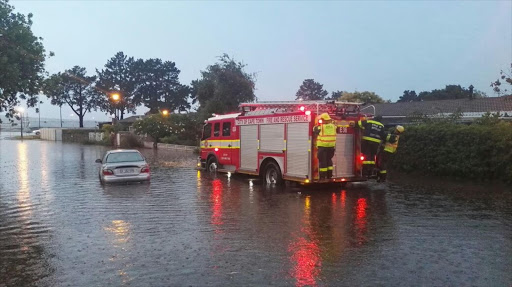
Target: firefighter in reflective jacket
pixel 326 144
pixel 373 133
pixel 389 146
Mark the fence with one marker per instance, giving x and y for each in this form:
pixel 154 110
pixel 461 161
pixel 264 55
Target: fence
pixel 51 134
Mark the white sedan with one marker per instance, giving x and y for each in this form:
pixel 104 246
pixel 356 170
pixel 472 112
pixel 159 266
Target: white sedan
pixel 123 166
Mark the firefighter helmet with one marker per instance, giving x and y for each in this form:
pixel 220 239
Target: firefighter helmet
pixel 325 117
pixel 400 129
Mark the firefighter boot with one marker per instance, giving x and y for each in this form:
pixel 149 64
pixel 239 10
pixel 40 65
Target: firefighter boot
pixel 323 175
pixel 382 176
pixel 329 173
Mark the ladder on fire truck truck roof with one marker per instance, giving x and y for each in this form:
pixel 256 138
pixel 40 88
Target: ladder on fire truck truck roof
pixel 288 106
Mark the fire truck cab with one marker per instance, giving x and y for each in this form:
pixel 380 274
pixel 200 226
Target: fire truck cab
pixel 275 140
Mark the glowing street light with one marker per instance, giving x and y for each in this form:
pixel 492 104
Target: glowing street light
pixel 116 97
pixel 165 113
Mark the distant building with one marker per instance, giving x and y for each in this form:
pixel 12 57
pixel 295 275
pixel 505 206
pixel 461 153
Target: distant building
pixel 403 113
pixel 128 122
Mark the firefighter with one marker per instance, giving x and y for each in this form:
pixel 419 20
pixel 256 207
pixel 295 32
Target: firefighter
pixel 326 144
pixel 373 133
pixel 388 147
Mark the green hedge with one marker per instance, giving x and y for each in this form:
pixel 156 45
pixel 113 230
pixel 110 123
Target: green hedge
pixel 476 151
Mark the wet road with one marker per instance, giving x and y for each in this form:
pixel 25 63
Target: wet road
pixel 60 227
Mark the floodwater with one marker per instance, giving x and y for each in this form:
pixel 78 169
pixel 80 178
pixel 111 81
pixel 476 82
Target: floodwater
pixel 60 227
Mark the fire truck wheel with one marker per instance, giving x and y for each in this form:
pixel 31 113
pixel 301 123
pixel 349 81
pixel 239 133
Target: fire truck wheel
pixel 212 164
pixel 272 174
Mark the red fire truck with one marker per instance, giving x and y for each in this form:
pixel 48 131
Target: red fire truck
pixel 275 140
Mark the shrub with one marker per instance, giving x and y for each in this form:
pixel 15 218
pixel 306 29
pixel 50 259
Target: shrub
pixel 477 151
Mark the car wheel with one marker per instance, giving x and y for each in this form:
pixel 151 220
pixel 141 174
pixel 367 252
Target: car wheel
pixel 272 174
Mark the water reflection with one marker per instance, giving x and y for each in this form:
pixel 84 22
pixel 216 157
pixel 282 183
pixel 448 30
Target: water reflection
pixel 361 221
pixel 305 256
pixel 120 236
pixel 23 194
pixel 216 199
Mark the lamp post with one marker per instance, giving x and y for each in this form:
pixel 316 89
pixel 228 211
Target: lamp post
pixel 115 98
pixel 165 113
pixel 20 112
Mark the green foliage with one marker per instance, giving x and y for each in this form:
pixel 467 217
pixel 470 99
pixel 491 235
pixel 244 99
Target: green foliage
pixel 489 119
pixel 156 126
pixel 22 57
pixel 74 88
pixel 222 87
pixel 182 129
pixel 107 129
pixel 477 151
pixel 450 92
pixel 506 80
pixel 185 130
pixel 311 91
pixel 360 97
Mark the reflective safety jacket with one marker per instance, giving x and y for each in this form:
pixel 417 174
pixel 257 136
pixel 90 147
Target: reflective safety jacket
pixel 326 135
pixel 391 143
pixel 372 130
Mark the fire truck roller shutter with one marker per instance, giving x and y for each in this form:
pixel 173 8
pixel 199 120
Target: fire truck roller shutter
pixel 272 138
pixel 344 157
pixel 249 147
pixel 298 150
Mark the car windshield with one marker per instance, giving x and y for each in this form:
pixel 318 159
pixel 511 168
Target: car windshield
pixel 124 157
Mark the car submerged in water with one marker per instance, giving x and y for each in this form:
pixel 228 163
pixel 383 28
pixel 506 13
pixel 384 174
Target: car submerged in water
pixel 123 166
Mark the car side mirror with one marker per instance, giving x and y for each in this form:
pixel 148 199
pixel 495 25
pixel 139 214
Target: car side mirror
pixel 98 161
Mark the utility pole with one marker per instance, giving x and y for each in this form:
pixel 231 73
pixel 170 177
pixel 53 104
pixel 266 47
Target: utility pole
pixel 60 116
pixel 21 117
pixel 39 112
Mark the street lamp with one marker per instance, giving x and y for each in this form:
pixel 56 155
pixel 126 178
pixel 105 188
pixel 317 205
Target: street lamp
pixel 20 111
pixel 165 113
pixel 115 98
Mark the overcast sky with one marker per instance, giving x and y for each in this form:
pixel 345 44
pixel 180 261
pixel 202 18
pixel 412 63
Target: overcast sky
pixel 385 47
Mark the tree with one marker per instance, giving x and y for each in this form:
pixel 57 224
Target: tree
pixel 408 96
pixel 450 92
pixel 505 76
pixel 223 86
pixel 158 86
pixel 118 76
pixel 22 57
pixel 335 95
pixel 361 97
pixel 156 126
pixel 74 88
pixel 185 129
pixel 311 91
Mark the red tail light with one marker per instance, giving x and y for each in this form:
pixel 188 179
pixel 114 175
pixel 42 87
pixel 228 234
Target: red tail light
pixel 108 172
pixel 145 169
pixel 362 157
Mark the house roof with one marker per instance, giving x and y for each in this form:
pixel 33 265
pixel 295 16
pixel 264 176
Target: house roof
pixel 131 120
pixel 466 106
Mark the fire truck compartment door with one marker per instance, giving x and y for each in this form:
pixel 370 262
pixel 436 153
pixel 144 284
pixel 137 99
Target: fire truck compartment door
pixel 272 138
pixel 344 157
pixel 298 150
pixel 249 147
